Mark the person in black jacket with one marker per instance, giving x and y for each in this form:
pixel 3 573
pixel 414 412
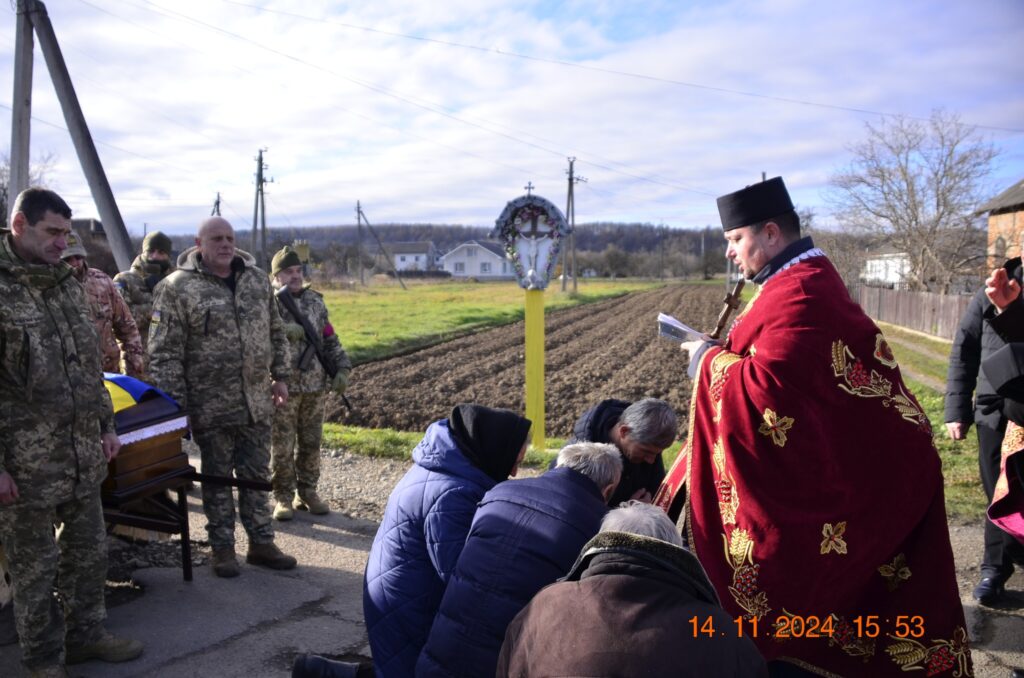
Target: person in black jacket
pixel 976 340
pixel 642 431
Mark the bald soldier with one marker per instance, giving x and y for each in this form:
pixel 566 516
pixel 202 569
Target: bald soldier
pixel 56 436
pixel 218 346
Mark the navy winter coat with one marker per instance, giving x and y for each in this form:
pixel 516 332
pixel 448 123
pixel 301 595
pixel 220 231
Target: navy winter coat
pixel 525 535
pixel 414 553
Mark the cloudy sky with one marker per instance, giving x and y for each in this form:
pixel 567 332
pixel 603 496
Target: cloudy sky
pixel 443 111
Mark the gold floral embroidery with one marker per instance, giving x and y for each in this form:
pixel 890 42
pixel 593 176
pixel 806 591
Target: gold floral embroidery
pixel 720 365
pixel 940 656
pixel 833 540
pixel 846 637
pixel 896 572
pixel 739 552
pixel 883 352
pixel 858 382
pixel 775 427
pixel 1014 438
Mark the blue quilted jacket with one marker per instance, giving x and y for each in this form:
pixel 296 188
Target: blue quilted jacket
pixel 525 535
pixel 414 553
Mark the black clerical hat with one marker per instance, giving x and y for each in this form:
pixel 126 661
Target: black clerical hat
pixel 754 204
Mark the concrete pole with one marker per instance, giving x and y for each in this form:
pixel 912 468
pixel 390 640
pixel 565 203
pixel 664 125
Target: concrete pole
pixel 21 103
pixel 113 224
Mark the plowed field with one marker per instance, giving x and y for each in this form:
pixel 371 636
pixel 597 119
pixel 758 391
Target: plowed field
pixel 608 349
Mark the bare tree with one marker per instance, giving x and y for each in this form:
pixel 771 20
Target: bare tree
pixel 37 174
pixel 917 185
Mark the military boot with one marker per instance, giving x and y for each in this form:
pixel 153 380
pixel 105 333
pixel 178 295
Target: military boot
pixel 106 648
pixel 268 555
pixel 283 510
pixel 311 501
pixel 53 671
pixel 224 562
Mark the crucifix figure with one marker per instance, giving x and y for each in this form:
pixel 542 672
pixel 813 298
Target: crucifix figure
pixel 529 188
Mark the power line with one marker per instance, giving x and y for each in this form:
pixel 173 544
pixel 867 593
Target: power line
pixel 608 71
pixel 433 108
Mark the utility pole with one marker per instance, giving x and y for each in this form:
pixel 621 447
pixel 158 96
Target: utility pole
pixel 570 214
pixel 259 214
pixel 215 212
pixel 21 103
pixel 383 252
pixel 32 16
pixel 359 242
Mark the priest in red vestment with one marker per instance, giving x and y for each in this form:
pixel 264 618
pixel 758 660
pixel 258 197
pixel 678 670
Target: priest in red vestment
pixel 814 495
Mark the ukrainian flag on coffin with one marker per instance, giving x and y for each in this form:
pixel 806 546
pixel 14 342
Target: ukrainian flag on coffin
pixel 142 411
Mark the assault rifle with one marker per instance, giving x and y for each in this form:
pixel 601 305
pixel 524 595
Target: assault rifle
pixel 314 344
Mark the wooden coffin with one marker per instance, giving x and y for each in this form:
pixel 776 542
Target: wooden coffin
pixel 150 434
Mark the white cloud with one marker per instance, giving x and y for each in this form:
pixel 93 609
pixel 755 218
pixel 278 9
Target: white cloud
pixel 422 131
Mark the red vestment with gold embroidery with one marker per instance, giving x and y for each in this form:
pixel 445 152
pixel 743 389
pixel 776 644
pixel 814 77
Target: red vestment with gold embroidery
pixel 815 496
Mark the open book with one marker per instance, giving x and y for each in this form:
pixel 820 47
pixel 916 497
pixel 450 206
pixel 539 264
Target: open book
pixel 677 331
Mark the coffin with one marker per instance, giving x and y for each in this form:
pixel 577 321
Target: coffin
pixel 150 425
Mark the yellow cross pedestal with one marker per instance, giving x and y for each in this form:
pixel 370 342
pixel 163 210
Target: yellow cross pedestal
pixel 535 364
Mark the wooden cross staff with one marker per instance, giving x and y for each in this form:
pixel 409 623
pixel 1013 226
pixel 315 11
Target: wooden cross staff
pixel 732 302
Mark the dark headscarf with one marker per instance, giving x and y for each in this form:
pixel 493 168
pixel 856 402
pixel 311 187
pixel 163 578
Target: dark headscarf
pixel 490 439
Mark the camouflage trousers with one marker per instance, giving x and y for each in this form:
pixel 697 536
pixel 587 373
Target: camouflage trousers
pixel 243 450
pixel 295 446
pixel 75 559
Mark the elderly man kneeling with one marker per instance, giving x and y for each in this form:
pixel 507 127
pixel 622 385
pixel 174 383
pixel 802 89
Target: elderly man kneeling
pixel 626 609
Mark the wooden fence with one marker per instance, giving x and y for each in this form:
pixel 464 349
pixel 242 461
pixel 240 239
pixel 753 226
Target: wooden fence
pixel 937 314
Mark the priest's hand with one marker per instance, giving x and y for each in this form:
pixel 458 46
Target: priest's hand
pixel 691 347
pixel 643 495
pixel 111 445
pixel 957 429
pixel 279 393
pixel 1001 289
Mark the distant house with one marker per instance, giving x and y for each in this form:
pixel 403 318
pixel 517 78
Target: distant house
pixel 89 228
pixel 475 259
pixel 412 256
pixel 886 268
pixel 1005 224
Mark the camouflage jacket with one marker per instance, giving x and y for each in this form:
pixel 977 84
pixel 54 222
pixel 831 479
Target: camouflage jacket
pixel 213 351
pixel 114 325
pixel 313 379
pixel 137 293
pixel 53 404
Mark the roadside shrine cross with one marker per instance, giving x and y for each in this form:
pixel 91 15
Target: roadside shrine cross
pixel 529 189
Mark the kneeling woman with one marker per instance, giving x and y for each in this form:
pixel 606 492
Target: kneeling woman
pixel 425 526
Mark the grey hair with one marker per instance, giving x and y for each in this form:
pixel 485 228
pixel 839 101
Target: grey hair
pixel 651 422
pixel 600 462
pixel 646 520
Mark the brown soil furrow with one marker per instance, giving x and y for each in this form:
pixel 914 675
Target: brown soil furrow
pixel 602 350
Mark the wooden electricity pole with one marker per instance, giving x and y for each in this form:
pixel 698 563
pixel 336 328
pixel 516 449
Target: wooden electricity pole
pixel 383 252
pixel 32 15
pixel 215 212
pixel 359 243
pixel 570 215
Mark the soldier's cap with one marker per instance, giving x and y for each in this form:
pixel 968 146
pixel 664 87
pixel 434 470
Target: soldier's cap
pixel 286 257
pixel 156 240
pixel 754 204
pixel 75 247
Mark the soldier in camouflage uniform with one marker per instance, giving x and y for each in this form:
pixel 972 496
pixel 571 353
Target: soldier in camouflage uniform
pixel 295 468
pixel 56 436
pixel 218 346
pixel 137 284
pixel 114 324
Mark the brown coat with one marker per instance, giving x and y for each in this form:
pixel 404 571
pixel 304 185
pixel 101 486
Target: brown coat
pixel 626 609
